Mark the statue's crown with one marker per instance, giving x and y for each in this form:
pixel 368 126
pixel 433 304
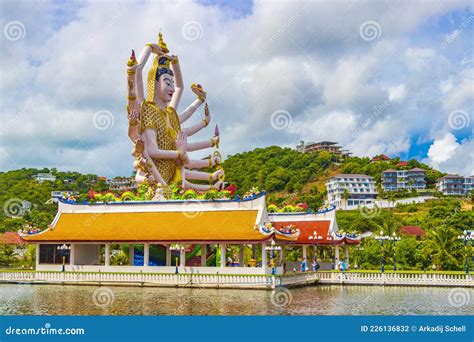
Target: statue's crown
pixel 162 44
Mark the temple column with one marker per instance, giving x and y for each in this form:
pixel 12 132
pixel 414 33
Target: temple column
pixel 336 255
pixel 203 255
pixel 305 252
pixel 241 256
pixel 107 254
pixel 37 255
pixel 282 254
pixel 146 254
pixel 254 252
pixel 168 255
pixel 346 254
pixel 182 257
pixel 264 256
pixel 72 254
pixel 223 251
pixel 131 254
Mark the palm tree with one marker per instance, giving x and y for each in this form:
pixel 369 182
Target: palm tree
pixel 441 245
pixel 389 226
pixel 390 197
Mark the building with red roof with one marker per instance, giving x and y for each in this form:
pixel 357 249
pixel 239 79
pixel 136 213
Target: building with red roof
pixel 380 157
pixel 11 238
pixel 402 163
pixel 412 231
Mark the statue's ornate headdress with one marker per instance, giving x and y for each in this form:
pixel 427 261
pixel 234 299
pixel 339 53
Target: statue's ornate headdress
pixel 161 65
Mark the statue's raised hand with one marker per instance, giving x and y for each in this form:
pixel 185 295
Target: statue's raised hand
pixel 155 48
pixel 173 58
pixel 132 64
pixel 133 117
pixel 199 91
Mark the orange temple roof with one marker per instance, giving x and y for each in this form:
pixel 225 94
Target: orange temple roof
pixel 307 229
pixel 174 226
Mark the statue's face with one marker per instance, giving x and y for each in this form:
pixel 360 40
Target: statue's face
pixel 165 87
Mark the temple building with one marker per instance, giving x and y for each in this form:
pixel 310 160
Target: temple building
pixel 82 234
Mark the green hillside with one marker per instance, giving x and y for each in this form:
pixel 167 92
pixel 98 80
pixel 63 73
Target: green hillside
pixel 289 177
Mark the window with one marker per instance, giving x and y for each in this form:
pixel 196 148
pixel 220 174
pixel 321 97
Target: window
pixel 49 254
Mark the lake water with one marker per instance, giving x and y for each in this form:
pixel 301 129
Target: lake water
pixel 317 300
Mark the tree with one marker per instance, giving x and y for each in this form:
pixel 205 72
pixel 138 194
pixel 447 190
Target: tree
pixel 345 196
pixel 390 197
pixel 407 252
pixel 443 248
pixel 7 254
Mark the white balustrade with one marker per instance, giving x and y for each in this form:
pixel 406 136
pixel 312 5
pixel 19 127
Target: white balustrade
pixel 239 280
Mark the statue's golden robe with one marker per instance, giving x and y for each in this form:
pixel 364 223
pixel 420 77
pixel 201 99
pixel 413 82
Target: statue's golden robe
pixel 166 125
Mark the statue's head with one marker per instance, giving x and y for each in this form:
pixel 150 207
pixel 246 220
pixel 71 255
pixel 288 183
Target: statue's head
pixel 161 80
pixel 164 80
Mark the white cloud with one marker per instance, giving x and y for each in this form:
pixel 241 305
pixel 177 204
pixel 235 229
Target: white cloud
pixel 397 93
pixel 442 149
pixel 306 58
pixel 450 156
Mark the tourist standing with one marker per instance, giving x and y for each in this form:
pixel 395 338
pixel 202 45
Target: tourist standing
pixel 315 265
pixel 303 265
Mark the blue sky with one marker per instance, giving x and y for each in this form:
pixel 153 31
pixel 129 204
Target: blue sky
pixel 377 76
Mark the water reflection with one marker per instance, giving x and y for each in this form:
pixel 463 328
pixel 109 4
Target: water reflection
pixel 318 300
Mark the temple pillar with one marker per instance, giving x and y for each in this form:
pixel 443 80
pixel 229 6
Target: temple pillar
pixel 254 252
pixel 305 252
pixel 37 255
pixel 146 254
pixel 264 256
pixel 282 254
pixel 72 254
pixel 168 255
pixel 336 255
pixel 182 257
pixel 107 254
pixel 346 254
pixel 241 256
pixel 131 254
pixel 223 251
pixel 203 255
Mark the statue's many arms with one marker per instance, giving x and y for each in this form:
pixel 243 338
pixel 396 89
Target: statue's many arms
pixel 155 121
